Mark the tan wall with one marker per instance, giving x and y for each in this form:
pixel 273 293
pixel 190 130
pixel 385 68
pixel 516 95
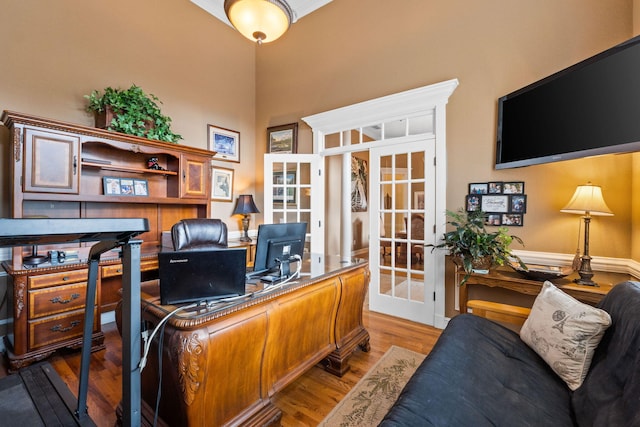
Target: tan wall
pixel 53 53
pixel 344 53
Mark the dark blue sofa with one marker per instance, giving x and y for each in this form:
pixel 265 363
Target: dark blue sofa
pixel 480 373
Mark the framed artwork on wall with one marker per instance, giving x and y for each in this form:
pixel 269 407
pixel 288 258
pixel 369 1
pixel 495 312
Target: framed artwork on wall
pixel 359 184
pixel 225 142
pixel 282 139
pixel 221 184
pixel 503 203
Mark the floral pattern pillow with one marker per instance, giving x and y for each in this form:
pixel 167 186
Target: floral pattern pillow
pixel 564 332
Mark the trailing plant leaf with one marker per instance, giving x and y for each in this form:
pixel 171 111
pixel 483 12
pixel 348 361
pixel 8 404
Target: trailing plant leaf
pixel 136 113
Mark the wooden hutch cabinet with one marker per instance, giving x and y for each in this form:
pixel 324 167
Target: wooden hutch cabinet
pixel 58 170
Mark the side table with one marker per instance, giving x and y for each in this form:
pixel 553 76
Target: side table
pixel 508 279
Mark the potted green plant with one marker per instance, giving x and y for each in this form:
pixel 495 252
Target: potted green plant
pixel 131 111
pixel 473 246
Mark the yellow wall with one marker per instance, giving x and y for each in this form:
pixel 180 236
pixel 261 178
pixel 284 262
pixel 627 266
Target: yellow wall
pixel 205 72
pixel 54 52
pixel 346 53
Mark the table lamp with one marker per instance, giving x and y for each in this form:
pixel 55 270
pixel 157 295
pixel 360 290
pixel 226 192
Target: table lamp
pixel 245 206
pixel 587 201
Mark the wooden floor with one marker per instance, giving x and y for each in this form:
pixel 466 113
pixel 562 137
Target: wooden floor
pixel 304 402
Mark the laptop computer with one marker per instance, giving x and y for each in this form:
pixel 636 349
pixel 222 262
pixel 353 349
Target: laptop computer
pixel 198 276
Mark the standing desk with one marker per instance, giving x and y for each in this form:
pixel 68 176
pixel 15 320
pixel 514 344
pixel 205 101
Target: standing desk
pixel 109 233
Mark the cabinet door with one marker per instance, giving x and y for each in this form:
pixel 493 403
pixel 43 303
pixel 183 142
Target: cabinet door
pixel 51 162
pixel 195 177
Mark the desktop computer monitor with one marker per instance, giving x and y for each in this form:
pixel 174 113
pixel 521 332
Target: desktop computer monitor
pixel 278 243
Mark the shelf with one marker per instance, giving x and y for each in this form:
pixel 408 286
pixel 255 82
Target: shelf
pixel 128 169
pixel 113 199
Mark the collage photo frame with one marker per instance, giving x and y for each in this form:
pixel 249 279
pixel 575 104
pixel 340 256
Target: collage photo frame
pixel 504 203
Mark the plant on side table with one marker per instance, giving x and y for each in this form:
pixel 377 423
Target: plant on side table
pixel 473 247
pixel 131 111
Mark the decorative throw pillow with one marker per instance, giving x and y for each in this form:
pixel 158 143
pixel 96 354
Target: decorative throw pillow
pixel 564 332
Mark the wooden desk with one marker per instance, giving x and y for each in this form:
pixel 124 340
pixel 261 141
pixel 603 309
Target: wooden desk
pixel 509 279
pixel 222 366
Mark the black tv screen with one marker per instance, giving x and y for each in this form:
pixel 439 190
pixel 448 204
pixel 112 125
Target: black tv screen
pixel 590 108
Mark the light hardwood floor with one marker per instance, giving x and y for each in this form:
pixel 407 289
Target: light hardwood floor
pixel 305 402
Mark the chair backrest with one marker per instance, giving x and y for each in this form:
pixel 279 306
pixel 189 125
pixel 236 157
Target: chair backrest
pixel 417 227
pixel 199 234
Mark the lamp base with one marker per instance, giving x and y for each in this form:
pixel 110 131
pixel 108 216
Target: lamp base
pixel 245 227
pixel 585 272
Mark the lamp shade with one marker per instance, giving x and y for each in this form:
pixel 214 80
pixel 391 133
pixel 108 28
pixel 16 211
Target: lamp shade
pixel 245 205
pixel 588 200
pixel 262 21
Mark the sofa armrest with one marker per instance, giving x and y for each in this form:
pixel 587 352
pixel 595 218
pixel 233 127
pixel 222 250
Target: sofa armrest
pixel 499 312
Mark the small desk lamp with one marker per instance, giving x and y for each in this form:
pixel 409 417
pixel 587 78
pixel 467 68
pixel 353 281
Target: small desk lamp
pixel 245 206
pixel 587 201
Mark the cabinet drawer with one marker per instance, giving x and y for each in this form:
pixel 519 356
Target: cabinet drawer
pixel 55 279
pixel 116 269
pixel 58 299
pixel 51 330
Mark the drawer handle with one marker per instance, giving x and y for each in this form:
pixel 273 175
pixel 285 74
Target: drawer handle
pixel 59 328
pixel 58 300
pixel 65 278
pixel 119 270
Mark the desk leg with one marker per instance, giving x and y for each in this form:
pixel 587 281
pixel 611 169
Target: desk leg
pixel 463 298
pixel 463 292
pixel 131 395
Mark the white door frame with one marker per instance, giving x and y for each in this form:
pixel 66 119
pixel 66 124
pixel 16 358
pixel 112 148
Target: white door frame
pixel 333 131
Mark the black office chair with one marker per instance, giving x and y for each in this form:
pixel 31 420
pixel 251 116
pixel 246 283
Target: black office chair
pixel 199 234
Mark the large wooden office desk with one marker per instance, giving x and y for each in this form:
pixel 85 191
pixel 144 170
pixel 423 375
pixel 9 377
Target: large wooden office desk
pixel 222 366
pixel 508 279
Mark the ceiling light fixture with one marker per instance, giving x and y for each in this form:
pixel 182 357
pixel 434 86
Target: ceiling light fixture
pixel 262 21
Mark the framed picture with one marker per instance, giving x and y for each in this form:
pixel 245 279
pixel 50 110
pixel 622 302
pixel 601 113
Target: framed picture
pixel 359 184
pixel 225 142
pixel 140 187
pixel 221 184
pixel 495 204
pixel 479 188
pixel 516 187
pixel 418 200
pixel 519 203
pixel 281 179
pixel 282 139
pixel 512 219
pixel 495 188
pixel 473 202
pixel 493 219
pixel 111 186
pixel 126 187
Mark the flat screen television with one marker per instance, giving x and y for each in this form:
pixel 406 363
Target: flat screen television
pixel 588 109
pixel 278 242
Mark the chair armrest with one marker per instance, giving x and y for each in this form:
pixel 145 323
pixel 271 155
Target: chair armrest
pixel 499 312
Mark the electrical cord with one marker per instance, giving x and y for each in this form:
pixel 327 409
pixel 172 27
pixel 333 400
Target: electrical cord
pixel 288 279
pixel 149 339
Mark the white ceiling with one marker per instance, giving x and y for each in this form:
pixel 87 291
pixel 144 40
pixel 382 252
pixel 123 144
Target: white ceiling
pixel 300 7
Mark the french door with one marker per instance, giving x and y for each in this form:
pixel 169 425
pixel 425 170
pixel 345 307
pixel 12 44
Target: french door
pixel 294 192
pixel 403 188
